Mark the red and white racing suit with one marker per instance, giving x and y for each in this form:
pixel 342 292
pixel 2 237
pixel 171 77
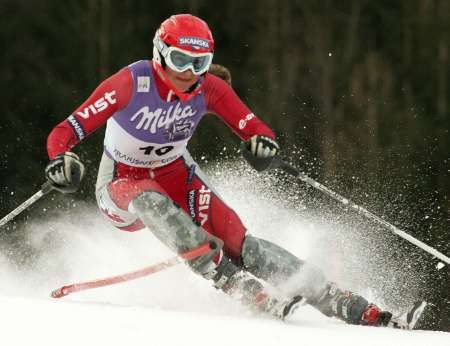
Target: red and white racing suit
pixel 145 147
pixel 145 152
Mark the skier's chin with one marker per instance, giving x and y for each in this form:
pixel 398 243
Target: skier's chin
pixel 184 84
pixel 182 81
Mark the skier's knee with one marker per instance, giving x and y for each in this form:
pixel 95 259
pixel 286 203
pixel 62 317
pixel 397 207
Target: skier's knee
pixel 174 227
pixel 120 218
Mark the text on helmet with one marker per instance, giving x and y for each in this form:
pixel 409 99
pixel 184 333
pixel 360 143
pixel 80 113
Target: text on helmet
pixel 194 42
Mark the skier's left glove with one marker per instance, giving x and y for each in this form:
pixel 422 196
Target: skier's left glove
pixel 65 172
pixel 260 151
pixel 262 146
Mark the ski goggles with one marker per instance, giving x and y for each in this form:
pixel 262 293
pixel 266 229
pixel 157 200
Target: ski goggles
pixel 181 60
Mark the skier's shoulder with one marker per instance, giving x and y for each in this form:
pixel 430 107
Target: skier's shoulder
pixel 217 81
pixel 121 83
pixel 125 76
pixel 215 85
pixel 140 67
pixel 120 80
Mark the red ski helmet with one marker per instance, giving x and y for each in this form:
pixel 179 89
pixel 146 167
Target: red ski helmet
pixel 183 42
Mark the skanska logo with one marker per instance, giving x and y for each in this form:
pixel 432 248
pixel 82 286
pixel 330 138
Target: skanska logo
pixel 193 41
pixel 77 127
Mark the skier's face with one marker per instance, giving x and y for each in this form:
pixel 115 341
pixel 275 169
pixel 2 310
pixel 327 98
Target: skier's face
pixel 182 80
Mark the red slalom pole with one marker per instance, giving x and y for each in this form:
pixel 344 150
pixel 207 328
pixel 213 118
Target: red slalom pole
pixel 112 280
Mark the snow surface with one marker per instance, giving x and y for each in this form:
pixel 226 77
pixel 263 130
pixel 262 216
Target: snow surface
pixel 28 321
pixel 174 306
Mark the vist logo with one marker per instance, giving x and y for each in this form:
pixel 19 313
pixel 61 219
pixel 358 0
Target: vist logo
pixel 160 118
pixel 100 105
pixel 193 41
pixel 243 122
pixel 204 200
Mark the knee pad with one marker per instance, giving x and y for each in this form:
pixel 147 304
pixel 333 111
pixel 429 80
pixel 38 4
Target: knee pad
pixel 171 225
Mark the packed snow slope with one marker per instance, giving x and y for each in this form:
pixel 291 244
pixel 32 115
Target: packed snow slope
pixel 27 321
pixel 176 307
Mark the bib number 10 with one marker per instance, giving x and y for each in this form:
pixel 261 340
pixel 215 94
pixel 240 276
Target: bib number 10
pixel 160 151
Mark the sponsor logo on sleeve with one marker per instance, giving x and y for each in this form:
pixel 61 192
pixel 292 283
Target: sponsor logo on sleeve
pixel 100 105
pixel 143 84
pixel 76 127
pixel 243 122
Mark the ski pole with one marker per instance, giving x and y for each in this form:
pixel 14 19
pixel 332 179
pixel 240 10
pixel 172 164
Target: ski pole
pixel 279 163
pixel 45 188
pixel 112 280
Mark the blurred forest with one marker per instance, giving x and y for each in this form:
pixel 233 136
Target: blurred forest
pixel 356 90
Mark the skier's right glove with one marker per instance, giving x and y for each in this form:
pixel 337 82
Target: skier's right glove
pixel 65 172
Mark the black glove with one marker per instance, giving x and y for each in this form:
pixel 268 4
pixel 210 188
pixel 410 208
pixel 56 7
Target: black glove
pixel 65 172
pixel 260 151
pixel 262 146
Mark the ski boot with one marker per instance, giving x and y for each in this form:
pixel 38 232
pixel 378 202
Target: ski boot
pixel 410 319
pixel 373 316
pixel 291 306
pixel 354 309
pixel 243 286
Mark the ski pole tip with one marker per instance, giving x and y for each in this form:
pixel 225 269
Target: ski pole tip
pixel 59 293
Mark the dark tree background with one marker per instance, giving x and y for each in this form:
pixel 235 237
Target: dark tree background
pixel 360 88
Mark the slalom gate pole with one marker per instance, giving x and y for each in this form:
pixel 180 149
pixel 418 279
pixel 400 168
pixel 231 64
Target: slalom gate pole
pixel 46 188
pixel 112 280
pixel 279 163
